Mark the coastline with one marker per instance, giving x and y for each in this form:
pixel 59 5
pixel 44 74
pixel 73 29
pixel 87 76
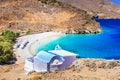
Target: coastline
pixel 107 18
pixel 35 40
pixel 81 69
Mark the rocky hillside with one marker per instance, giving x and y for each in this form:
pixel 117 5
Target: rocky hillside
pixel 44 15
pixel 102 8
pixel 82 69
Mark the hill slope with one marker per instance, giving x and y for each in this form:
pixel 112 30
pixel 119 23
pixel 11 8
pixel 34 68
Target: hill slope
pixel 102 8
pixel 34 16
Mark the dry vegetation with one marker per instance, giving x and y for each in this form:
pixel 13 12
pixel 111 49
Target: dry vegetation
pixel 102 8
pixel 40 16
pixel 35 77
pixel 82 69
pixel 26 16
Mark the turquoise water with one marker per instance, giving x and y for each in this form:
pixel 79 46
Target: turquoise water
pixel 116 1
pixel 104 45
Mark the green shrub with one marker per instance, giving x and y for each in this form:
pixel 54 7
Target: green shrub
pixel 28 32
pixel 10 35
pixel 44 1
pixel 53 1
pixel 50 2
pixel 7 39
pixel 6 52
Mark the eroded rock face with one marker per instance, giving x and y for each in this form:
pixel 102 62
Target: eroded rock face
pixel 21 15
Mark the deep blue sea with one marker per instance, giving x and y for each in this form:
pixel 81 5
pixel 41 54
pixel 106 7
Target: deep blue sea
pixel 116 1
pixel 103 45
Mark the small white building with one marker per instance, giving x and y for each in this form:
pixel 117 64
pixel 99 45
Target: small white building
pixel 50 61
pixel 69 58
pixel 46 61
pixel 29 64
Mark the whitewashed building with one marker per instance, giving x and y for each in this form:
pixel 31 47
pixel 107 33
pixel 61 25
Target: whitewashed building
pixel 50 61
pixel 46 61
pixel 29 64
pixel 69 58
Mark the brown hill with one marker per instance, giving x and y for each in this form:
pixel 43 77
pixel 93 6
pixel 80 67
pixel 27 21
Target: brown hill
pixel 40 16
pixel 102 8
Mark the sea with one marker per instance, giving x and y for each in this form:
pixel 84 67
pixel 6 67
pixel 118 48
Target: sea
pixel 117 2
pixel 105 45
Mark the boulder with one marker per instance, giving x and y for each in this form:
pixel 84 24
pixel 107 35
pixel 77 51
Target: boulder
pixel 102 65
pixel 112 64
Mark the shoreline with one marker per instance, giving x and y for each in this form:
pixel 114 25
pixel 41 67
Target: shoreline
pixel 81 69
pixel 35 40
pixel 107 18
pixel 40 39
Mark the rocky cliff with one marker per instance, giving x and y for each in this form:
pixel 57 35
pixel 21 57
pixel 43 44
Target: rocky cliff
pixel 43 16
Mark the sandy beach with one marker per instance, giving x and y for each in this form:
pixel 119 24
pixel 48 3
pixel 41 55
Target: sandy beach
pixel 37 16
pixel 81 69
pixel 34 40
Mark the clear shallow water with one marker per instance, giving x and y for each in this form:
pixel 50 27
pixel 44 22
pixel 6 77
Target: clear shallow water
pixel 104 45
pixel 116 1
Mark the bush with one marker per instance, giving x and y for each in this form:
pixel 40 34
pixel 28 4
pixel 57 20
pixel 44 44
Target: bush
pixel 53 1
pixel 50 2
pixel 44 1
pixel 6 53
pixel 7 39
pixel 10 35
pixel 28 32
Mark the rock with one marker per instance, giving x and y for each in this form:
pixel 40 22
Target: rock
pixel 18 78
pixel 111 65
pixel 118 63
pixel 102 65
pixel 92 65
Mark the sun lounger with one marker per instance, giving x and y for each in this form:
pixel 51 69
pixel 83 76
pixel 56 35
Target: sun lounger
pixel 24 44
